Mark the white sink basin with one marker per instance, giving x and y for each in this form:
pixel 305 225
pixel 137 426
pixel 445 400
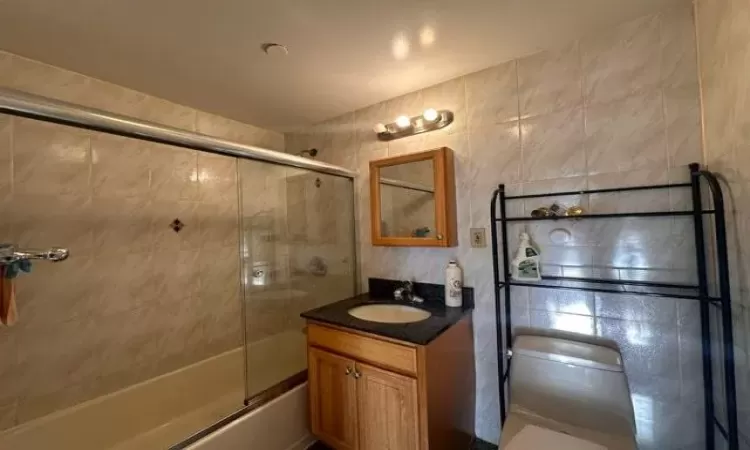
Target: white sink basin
pixel 389 313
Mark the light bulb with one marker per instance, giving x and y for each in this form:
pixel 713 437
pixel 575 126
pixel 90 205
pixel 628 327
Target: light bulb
pixel 403 122
pixel 430 115
pixel 379 128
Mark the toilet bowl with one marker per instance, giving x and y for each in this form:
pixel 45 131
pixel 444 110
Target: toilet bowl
pixel 562 387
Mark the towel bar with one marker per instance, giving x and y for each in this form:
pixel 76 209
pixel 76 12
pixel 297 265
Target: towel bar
pixel 9 254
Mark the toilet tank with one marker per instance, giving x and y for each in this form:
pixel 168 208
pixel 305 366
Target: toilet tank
pixel 577 383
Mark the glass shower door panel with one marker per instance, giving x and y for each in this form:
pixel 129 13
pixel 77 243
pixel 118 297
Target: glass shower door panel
pixel 298 253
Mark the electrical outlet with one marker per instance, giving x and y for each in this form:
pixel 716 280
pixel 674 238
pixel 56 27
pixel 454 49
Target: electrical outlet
pixel 478 238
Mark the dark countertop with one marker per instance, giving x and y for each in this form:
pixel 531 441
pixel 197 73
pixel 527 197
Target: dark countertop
pixel 420 333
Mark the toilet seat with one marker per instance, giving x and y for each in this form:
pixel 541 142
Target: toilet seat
pixel 538 438
pixel 519 419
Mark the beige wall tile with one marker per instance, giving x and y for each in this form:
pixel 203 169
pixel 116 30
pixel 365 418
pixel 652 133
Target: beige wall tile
pixel 626 135
pixel 622 62
pixel 123 281
pixel 168 113
pixel 552 146
pixel 64 295
pixel 364 121
pixel 120 166
pixel 411 144
pixel 682 114
pixel 678 47
pixel 500 144
pixel 7 415
pixel 217 177
pixel 502 106
pixel 8 370
pixel 550 81
pixel 223 128
pixel 6 69
pixel 40 221
pixel 50 159
pixel 174 173
pixel 343 137
pixel 6 156
pixel 218 225
pixel 121 224
pixel 176 275
pixel 41 79
pixel 219 276
pixel 165 239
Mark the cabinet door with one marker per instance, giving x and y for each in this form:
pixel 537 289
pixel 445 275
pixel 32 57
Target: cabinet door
pixel 333 397
pixel 387 410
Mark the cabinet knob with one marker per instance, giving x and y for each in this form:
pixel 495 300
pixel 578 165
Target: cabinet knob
pixel 348 371
pixel 357 374
pixel 439 237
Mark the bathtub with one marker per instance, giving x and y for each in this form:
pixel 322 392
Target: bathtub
pixel 279 425
pixel 163 411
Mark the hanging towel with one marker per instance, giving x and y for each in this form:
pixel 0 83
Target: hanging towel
pixel 8 313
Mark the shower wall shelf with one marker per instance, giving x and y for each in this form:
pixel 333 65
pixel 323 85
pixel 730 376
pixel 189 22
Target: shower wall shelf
pixel 608 286
pixel 701 292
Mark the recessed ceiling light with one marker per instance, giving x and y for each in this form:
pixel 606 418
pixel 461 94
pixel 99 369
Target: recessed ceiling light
pixel 272 48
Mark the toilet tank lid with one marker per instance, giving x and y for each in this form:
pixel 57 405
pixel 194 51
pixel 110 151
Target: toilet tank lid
pixel 568 352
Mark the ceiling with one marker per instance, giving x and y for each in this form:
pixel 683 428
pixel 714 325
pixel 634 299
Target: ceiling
pixel 343 54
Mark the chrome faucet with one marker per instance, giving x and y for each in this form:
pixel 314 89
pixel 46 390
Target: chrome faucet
pixel 406 293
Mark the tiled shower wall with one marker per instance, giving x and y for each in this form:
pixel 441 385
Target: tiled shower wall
pixel 135 299
pixel 617 108
pixel 724 49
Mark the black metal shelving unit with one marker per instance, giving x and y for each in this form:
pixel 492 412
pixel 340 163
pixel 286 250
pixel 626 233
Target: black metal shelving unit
pixel 701 291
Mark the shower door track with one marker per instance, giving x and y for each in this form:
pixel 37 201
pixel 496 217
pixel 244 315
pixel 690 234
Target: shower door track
pixel 49 110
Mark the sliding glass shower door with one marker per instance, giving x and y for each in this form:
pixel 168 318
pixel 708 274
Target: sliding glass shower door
pixel 298 245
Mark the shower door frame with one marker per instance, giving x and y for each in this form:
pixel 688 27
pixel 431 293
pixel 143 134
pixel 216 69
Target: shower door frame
pixel 30 106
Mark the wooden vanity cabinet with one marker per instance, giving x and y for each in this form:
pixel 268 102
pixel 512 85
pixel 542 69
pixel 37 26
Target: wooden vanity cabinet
pixel 373 393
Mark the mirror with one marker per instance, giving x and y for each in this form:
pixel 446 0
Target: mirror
pixel 407 200
pixel 412 199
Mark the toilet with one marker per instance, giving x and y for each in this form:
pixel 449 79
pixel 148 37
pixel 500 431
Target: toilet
pixel 568 392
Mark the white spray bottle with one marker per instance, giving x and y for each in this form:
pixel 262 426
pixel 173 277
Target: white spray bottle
pixel 454 283
pixel 525 266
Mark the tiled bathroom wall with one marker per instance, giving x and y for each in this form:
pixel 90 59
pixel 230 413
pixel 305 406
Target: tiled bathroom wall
pixel 724 50
pixel 135 299
pixel 613 109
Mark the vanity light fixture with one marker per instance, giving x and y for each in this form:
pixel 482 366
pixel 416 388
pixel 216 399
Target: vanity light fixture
pixel 431 119
pixel 403 122
pixel 430 115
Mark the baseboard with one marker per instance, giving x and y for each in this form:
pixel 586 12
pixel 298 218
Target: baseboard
pixel 303 443
pixel 479 444
pixel 476 444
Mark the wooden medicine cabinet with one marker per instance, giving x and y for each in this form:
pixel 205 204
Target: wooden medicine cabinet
pixel 413 200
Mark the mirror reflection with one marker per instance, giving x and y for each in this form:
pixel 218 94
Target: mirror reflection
pixel 407 200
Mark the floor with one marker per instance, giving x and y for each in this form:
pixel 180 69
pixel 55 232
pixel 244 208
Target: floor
pixel 478 445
